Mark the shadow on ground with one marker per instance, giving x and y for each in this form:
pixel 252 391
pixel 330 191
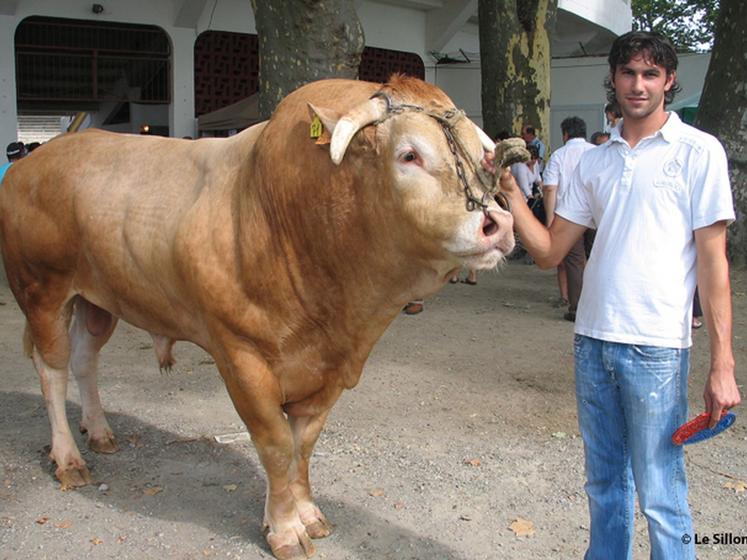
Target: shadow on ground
pixel 160 475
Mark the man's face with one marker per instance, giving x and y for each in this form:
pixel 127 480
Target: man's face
pixel 526 135
pixel 640 86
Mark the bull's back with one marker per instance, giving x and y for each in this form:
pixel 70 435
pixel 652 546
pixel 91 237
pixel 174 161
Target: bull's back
pixel 105 212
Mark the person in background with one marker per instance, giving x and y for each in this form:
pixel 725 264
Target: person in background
pixel 529 134
pixel 697 311
pixel 14 152
pixel 599 138
pixel 557 176
pixel 527 174
pixel 470 279
pixel 612 114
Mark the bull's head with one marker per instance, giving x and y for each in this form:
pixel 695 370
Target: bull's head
pixel 444 178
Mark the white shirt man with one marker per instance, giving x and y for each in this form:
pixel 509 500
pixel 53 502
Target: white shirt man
pixel 561 166
pixel 557 176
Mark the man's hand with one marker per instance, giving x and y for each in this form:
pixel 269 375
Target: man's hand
pixel 507 183
pixel 721 393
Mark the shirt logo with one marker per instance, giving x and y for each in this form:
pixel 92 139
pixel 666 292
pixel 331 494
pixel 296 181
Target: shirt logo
pixel 672 168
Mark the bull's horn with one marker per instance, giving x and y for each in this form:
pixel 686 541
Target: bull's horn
pixel 371 111
pixel 487 143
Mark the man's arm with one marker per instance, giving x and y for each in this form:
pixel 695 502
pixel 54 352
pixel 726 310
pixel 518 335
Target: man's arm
pixel 721 390
pixel 547 246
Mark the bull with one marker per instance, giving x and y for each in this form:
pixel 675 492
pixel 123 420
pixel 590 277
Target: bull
pixel 283 254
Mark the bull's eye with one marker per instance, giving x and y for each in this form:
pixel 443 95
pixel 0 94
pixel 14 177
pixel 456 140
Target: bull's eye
pixel 409 156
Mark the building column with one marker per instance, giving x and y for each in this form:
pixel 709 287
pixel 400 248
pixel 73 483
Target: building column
pixel 8 102
pixel 182 120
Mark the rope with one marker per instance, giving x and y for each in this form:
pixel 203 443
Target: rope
pixel 448 121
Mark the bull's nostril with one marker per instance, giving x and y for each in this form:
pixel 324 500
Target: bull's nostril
pixel 489 227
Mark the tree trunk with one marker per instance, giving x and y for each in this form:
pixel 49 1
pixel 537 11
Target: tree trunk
pixel 304 40
pixel 515 61
pixel 723 111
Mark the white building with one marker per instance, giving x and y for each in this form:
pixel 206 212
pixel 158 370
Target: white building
pixel 31 88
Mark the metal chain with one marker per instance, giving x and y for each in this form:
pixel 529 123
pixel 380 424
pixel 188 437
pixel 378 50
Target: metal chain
pixel 472 201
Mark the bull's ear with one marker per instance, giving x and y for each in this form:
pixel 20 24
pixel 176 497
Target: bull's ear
pixel 328 119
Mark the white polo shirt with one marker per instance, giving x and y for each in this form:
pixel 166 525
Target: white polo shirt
pixel 563 162
pixel 646 203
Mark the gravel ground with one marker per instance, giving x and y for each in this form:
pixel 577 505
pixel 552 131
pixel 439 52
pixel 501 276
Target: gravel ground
pixel 463 425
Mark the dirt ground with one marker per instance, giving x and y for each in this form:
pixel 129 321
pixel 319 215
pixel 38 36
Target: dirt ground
pixel 463 423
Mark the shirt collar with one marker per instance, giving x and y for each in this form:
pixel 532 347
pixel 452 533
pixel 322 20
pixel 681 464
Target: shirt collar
pixel 670 132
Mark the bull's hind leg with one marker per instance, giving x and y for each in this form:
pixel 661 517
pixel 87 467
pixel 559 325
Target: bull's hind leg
pixel 48 328
pixel 306 430
pixel 91 329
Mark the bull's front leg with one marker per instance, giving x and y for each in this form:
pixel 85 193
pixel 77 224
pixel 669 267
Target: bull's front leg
pixel 257 397
pixel 306 430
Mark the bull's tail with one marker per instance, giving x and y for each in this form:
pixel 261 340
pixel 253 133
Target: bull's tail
pixel 28 342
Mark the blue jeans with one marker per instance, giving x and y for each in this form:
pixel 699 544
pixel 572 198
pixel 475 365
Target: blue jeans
pixel 630 400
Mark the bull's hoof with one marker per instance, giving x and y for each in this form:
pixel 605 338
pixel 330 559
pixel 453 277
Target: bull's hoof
pixel 317 525
pixel 106 444
pixel 319 529
pixel 73 476
pixel 290 545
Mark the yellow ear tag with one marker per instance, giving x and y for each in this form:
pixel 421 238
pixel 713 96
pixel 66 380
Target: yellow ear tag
pixel 316 127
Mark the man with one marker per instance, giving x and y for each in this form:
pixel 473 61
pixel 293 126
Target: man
pixel 14 151
pixel 529 134
pixel 612 115
pixel 558 174
pixel 658 193
pixel 527 174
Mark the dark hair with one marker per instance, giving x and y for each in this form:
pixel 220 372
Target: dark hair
pixel 574 127
pixel 534 151
pixel 15 150
pixel 653 46
pixel 613 108
pixel 503 135
pixel 597 135
pixel 529 130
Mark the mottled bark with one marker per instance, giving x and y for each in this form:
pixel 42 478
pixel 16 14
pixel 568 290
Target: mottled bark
pixel 723 110
pixel 515 61
pixel 304 40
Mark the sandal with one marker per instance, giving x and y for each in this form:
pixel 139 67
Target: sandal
pixel 697 323
pixel 412 308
